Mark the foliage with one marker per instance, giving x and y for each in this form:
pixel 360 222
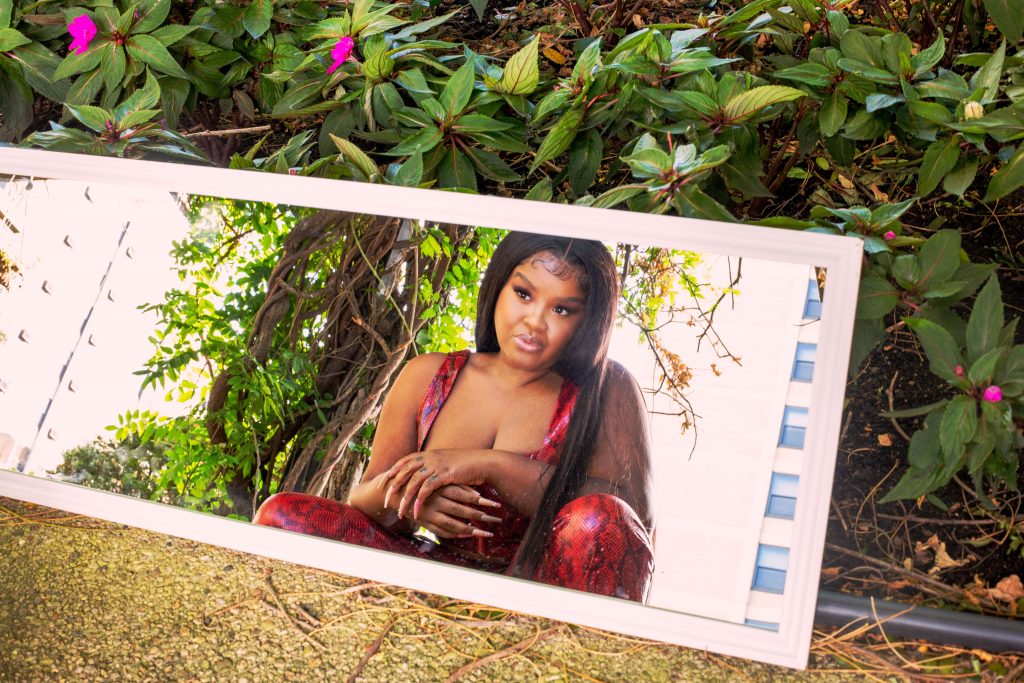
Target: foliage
pixel 131 467
pixel 818 101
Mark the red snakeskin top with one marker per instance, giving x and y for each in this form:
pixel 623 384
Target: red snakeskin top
pixel 498 550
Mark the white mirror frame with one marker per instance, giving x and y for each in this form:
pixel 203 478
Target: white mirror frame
pixel 841 256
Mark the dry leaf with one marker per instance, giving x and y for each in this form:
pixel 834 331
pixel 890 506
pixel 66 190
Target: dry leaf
pixel 884 440
pixel 942 558
pixel 845 182
pixel 554 55
pixel 637 21
pixel 1009 589
pixel 878 194
pixel 830 572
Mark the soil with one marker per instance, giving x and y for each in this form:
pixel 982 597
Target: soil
pixel 872 457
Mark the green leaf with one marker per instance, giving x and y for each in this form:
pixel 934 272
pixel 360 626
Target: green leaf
pixel 149 50
pixel 959 422
pixel 877 297
pixel 747 104
pixel 983 444
pixel 457 92
pixel 297 97
pixel 939 257
pixel 924 475
pixel 355 155
pixel 987 77
pixel 693 202
pixel 585 157
pixel 962 176
pixel 924 60
pixel 16 99
pixel 257 16
pixel 832 114
pixel 423 141
pixel 145 97
pixel 172 33
pixel 617 195
pixel 942 350
pixel 542 191
pixel 856 45
pixel 649 162
pixel 867 334
pixel 93 117
pixel 982 370
pixel 6 9
pixel 808 73
pixel 410 172
pixel 1008 18
pixel 112 65
pixel 76 64
pixel 559 137
pixel 915 412
pixel 456 171
pixel 906 269
pixel 10 39
pixel 85 88
pixel 490 165
pixel 521 71
pixel 152 13
pixel 986 321
pixel 1008 178
pixel 478 6
pixel 885 214
pixel 939 159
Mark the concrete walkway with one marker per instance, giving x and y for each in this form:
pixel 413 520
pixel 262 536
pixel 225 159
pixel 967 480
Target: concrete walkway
pixel 91 600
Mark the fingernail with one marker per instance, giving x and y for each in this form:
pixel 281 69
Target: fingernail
pixel 492 520
pixel 490 503
pixel 481 532
pixel 416 510
pixel 387 496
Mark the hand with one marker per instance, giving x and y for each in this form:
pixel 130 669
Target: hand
pixel 418 475
pixel 448 512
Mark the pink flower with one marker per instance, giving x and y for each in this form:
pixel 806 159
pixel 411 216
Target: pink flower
pixel 83 30
pixel 958 371
pixel 889 235
pixel 993 394
pixel 341 52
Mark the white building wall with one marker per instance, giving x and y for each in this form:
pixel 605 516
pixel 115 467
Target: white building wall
pixel 72 336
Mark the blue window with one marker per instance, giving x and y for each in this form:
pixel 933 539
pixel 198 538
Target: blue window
pixel 803 367
pixel 782 496
pixel 766 625
pixel 770 571
pixel 812 305
pixel 794 427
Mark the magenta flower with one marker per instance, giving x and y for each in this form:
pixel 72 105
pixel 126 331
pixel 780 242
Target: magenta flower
pixel 83 30
pixel 993 394
pixel 958 371
pixel 889 235
pixel 341 52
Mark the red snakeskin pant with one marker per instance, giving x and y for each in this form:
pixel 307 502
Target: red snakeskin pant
pixel 597 542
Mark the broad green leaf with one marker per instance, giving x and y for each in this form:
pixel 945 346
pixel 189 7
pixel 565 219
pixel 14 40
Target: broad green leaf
pixel 924 475
pixel 692 202
pixel 297 97
pixel 10 39
pixel 962 176
pixel 959 422
pixel 478 6
pixel 867 334
pixel 649 162
pixel 521 71
pixel 939 257
pixel 1008 18
pixel 986 321
pixel 490 165
pixel 16 99
pixel 747 104
pixel 808 73
pixel 559 137
pixel 150 51
pixel 6 9
pixel 112 65
pixel 145 97
pixel 356 156
pixel 878 101
pixel 877 297
pixel 924 60
pixel 410 172
pixel 832 114
pixel 1013 369
pixel 987 77
pixel 915 412
pixel 550 103
pixel 423 141
pixel 584 161
pixel 456 171
pixel 257 16
pixel 617 195
pixel 37 65
pixel 982 445
pixel 85 88
pixel 542 191
pixel 856 45
pixel 457 92
pixel 475 123
pixel 93 117
pixel 885 214
pixel 942 350
pixel 906 269
pixel 1008 178
pixel 137 118
pixel 981 371
pixel 152 14
pixel 76 64
pixel 939 159
pixel 864 70
pixel 588 60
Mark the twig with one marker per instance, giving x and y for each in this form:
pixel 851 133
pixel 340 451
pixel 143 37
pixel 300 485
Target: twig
pixel 294 622
pixel 228 131
pixel 501 654
pixel 372 649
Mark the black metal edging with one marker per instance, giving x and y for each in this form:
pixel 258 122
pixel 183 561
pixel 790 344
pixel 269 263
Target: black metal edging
pixel 944 626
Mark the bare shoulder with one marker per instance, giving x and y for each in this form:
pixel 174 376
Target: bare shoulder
pixel 621 385
pixel 417 374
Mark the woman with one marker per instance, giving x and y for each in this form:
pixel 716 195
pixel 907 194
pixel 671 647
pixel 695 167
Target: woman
pixel 530 456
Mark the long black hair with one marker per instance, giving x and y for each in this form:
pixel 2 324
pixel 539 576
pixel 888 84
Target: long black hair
pixel 584 362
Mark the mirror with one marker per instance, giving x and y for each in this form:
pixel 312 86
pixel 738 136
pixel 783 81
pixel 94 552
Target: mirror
pixel 740 359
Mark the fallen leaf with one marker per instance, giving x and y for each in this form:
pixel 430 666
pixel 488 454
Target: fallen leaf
pixel 830 572
pixel 845 182
pixel 942 558
pixel 878 194
pixel 554 55
pixel 1009 589
pixel 884 440
pixel 637 21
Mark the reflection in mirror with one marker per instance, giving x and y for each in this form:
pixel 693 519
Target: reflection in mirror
pixel 226 350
